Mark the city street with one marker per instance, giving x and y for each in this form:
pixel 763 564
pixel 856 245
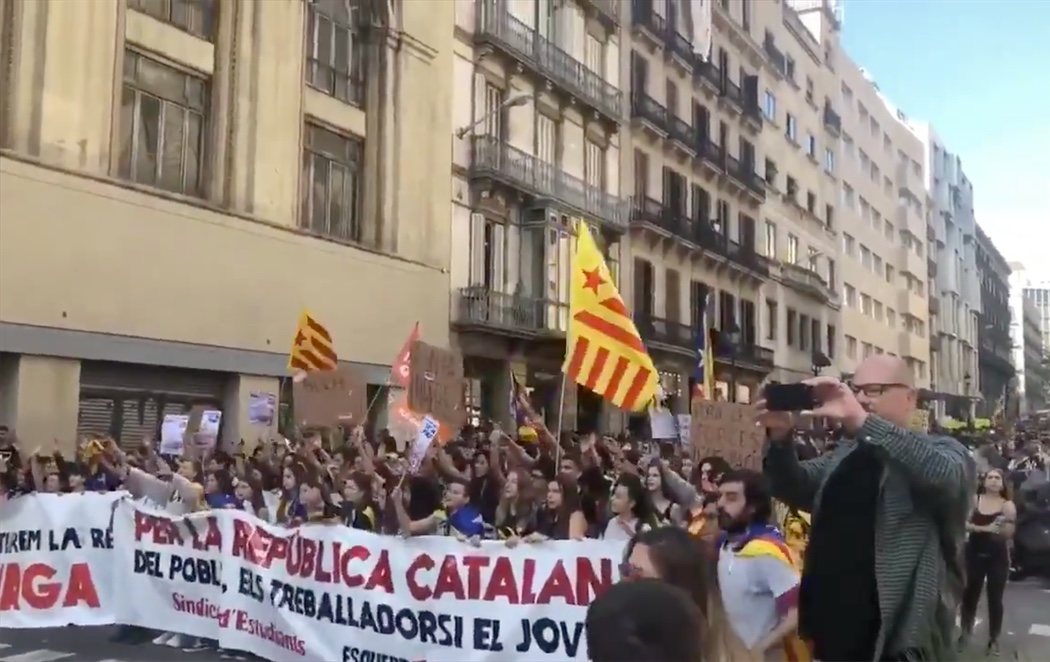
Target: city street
pixel 1026 625
pixel 1026 636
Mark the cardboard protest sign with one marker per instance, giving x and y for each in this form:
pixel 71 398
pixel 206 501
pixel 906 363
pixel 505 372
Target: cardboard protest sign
pixel 727 430
pixel 435 384
pixel 202 428
pixel 327 398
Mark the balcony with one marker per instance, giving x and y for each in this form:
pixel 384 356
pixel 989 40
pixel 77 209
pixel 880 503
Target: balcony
pixel 731 92
pixel 608 10
pixel 708 73
pixel 667 332
pixel 497 27
pixel 908 180
pixel 832 121
pixel 479 306
pixel 744 173
pixel 710 153
pixel 776 57
pixel 805 280
pixel 708 238
pixel 912 263
pixel 682 132
pixel 931 268
pixel 746 354
pixel 935 306
pixel 679 46
pixel 642 15
pixel 911 345
pixel 646 109
pixel 513 167
pixel 752 111
pixel 656 214
pixel 908 302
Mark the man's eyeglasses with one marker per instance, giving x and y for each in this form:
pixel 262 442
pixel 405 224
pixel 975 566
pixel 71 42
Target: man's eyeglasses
pixel 874 390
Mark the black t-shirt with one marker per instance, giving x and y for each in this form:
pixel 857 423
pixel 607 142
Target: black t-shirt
pixel 839 600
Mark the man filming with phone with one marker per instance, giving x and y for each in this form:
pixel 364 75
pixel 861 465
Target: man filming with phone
pixel 882 576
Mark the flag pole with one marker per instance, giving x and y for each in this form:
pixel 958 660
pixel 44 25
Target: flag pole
pixel 557 431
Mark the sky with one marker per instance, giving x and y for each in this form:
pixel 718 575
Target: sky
pixel 979 72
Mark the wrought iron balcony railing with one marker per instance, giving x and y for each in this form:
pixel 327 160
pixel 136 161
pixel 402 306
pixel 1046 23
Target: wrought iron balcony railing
pixel 668 332
pixel 681 131
pixel 478 305
pixel 731 91
pixel 805 279
pixel 497 26
pixel 645 107
pixel 642 14
pixel 610 9
pixel 776 56
pixel 709 72
pixel 709 151
pixel 748 353
pixel 496 159
pixel 707 237
pixel 832 119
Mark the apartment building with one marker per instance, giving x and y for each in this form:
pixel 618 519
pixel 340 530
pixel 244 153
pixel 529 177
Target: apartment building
pixel 958 288
pixel 180 179
pixel 994 356
pixel 885 266
pixel 1029 351
pixel 800 146
pixel 690 156
pixel 537 111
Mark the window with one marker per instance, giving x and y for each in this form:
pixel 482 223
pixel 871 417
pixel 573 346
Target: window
pixel 769 106
pixel 865 162
pixel 849 244
pixel 811 202
pixel 789 68
pixel 889 274
pixel 194 16
pixel 594 54
pixel 792 321
pixel 163 112
pixel 829 215
pixel 335 50
pixel 866 306
pixel 771 172
pixel 547 143
pixel 831 274
pixel 493 115
pixel 771 319
pixel 332 172
pixel 848 148
pixel 791 129
pixel 811 146
pixel 672 99
pixel 487 250
pixel 891 318
pixel 865 256
pixel 803 332
pixel 771 240
pixel 594 166
pixel 887 145
pixel 847 96
pixel 851 347
pixel 831 341
pixel 641 176
pixel 792 187
pixel 876 265
pixel 868 349
pixel 809 89
pixel 848 197
pixel 890 231
pixel 829 160
pixel 878 310
pixel 792 250
pixel 851 296
pixel 887 187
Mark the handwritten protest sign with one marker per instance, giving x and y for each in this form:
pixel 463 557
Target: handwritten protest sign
pixel 727 430
pixel 328 398
pixel 436 384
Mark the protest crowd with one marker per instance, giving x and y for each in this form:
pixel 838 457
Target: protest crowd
pixel 829 529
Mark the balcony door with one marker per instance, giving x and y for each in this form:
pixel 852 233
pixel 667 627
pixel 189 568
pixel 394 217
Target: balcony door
pixel 546 139
pixel 673 294
pixel 487 242
pixel 747 232
pixel 702 122
pixel 748 322
pixel 643 289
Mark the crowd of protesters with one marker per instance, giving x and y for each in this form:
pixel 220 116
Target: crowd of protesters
pixel 700 534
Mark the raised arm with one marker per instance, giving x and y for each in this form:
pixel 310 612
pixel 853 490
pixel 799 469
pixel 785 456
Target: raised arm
pixel 793 482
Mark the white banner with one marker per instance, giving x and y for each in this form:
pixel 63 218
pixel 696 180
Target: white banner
pixel 56 560
pixel 333 593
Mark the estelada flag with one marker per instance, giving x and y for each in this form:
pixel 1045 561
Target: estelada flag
pixel 312 346
pixel 604 351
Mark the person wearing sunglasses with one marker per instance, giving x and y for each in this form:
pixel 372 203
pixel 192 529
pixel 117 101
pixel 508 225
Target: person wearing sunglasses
pixel 889 512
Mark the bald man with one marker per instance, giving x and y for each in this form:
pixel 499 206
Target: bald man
pixel 882 577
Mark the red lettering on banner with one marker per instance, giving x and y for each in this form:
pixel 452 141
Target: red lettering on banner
pixel 33 587
pixel 419 591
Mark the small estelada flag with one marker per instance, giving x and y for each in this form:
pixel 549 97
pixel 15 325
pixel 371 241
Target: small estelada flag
pixel 312 347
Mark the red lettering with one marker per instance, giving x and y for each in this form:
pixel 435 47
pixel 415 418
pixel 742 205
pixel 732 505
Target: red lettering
pixel 502 583
pixel 474 565
pixel 243 539
pixel 528 576
pixel 355 553
pixel 381 576
pixel 143 524
pixel 590 583
pixel 557 586
pixel 308 549
pixel 448 580
pixel 419 591
pixel 81 587
pixel 322 575
pixel 11 587
pixel 40 594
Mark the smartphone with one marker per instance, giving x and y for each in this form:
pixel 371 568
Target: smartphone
pixel 789 397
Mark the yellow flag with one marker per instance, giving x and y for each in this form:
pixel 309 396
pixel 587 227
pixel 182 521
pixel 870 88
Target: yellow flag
pixel 312 347
pixel 604 351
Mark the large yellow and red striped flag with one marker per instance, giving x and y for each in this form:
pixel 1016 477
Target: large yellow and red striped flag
pixel 312 346
pixel 604 351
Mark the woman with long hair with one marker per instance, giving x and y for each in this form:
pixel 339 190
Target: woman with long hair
pixel 289 508
pixel 631 509
pixel 359 509
pixel 515 515
pixel 657 494
pixel 672 555
pixel 990 528
pixel 562 517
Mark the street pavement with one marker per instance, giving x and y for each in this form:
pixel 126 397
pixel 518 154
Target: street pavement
pixel 1026 636
pixel 1026 623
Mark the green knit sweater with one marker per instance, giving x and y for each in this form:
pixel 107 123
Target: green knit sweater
pixel 920 526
